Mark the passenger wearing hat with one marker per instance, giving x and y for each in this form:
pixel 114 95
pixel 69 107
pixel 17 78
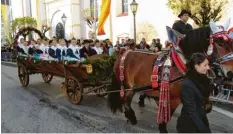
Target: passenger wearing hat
pixel 182 26
pixel 87 50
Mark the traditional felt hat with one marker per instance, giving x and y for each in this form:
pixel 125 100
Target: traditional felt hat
pixel 184 12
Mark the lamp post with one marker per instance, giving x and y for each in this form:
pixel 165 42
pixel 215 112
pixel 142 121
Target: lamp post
pixel 134 7
pixel 63 18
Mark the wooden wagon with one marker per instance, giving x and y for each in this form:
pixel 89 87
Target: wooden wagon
pixel 80 78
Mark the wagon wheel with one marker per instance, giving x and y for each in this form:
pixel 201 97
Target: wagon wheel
pixel 74 90
pixel 47 77
pixel 101 91
pixel 23 75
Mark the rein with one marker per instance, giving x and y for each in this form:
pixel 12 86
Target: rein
pixel 225 58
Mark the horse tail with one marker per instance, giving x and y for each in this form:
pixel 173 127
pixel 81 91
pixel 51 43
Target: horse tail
pixel 114 99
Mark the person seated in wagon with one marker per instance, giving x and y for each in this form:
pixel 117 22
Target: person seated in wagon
pixel 52 50
pixel 97 47
pixel 77 45
pixel 38 49
pixel 45 49
pixel 31 47
pixel 72 53
pixel 22 47
pixel 86 51
pixel 61 49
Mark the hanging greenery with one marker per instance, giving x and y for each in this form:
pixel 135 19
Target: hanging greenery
pixel 102 68
pixel 102 65
pixel 25 31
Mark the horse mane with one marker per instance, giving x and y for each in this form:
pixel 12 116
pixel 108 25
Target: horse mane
pixel 196 40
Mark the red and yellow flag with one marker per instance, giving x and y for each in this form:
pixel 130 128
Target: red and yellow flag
pixel 106 5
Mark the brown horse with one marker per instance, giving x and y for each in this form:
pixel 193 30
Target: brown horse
pixel 138 70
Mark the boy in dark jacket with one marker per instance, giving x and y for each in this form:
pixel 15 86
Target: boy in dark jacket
pixel 86 51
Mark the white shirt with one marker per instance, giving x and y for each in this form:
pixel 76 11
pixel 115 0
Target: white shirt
pixel 46 49
pixel 54 48
pixel 75 50
pixel 25 48
pixel 30 46
pixel 99 50
pixel 41 47
pixel 20 45
pixel 78 48
pixel 64 48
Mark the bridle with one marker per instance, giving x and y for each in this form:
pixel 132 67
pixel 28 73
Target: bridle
pixel 213 52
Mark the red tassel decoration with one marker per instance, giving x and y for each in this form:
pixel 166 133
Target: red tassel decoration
pixel 164 111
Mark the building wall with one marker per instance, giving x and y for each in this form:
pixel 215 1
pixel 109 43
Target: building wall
pixel 76 19
pixel 155 12
pixel 6 18
pixel 71 8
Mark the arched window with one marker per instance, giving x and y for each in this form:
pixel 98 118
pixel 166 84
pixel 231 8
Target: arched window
pixel 60 31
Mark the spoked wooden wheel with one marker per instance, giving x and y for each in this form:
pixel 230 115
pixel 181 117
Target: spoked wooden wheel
pixel 101 91
pixel 23 75
pixel 47 77
pixel 74 90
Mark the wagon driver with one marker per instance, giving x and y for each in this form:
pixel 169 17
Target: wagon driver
pixel 182 26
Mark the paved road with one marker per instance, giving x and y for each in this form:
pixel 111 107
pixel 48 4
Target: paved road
pixel 43 108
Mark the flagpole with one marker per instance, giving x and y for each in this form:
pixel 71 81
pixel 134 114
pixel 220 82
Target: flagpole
pixel 95 28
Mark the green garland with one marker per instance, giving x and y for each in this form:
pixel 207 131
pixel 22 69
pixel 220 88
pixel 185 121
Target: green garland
pixel 102 65
pixel 102 68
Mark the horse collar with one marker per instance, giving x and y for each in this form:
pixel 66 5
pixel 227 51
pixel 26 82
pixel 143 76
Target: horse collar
pixel 222 34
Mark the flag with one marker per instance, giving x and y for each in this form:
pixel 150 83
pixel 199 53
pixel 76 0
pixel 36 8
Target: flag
pixel 5 13
pixel 105 10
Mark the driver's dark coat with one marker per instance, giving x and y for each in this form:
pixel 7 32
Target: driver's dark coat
pixel 181 27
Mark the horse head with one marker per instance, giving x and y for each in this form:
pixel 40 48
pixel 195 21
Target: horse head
pixel 221 45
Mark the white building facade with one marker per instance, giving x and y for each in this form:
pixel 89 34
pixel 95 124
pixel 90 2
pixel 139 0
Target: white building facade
pixel 152 17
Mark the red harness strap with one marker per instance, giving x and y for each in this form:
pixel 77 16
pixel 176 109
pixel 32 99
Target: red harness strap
pixel 121 67
pixel 154 76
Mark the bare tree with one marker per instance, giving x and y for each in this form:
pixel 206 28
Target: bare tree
pixel 145 30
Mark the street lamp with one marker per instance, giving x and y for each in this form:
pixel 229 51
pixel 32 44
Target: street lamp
pixel 63 18
pixel 134 8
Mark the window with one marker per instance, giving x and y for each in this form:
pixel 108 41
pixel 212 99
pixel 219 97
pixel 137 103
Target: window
pixel 5 2
pixel 124 6
pixel 94 8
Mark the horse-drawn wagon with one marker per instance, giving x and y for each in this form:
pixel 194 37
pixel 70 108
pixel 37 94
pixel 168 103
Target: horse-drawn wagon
pixel 81 78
